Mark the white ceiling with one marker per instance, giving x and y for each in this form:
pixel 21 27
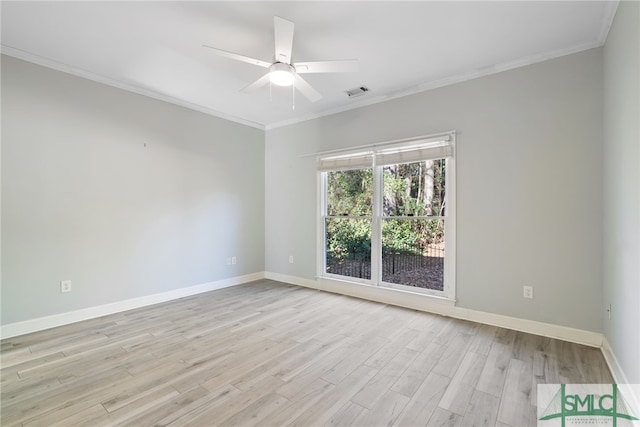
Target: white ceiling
pixel 154 48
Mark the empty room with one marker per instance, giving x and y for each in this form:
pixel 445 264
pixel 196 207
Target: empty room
pixel 317 213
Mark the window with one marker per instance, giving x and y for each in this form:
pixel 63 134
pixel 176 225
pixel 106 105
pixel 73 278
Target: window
pixel 347 223
pixel 387 215
pixel 413 224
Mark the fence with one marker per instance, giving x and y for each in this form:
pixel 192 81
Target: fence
pixel 397 263
pixel 411 258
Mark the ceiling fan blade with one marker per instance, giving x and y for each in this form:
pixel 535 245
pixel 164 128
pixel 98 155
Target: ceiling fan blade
pixel 238 57
pixel 283 31
pixel 257 84
pixel 305 88
pixel 346 66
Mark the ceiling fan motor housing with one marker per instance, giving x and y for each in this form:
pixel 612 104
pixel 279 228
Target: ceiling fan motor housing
pixel 281 73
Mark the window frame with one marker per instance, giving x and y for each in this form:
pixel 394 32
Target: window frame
pixel 323 233
pixel 449 280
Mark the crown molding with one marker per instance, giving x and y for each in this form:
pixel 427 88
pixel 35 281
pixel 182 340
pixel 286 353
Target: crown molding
pixel 78 72
pixel 447 81
pixel 609 15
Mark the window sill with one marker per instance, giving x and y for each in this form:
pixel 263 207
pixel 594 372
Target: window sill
pixel 401 297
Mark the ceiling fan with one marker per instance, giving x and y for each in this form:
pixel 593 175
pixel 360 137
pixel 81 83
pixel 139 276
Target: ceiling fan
pixel 282 71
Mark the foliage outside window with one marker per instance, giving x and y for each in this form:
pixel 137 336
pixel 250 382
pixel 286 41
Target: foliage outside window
pixel 348 223
pixel 413 225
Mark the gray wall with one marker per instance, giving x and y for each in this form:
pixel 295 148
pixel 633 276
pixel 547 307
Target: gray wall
pixel 529 185
pixel 622 188
pixel 84 199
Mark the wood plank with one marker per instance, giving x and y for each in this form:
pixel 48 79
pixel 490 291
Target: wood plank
pixel 358 354
pixel 334 401
pixel 77 396
pixel 21 389
pixel 146 403
pixel 267 352
pixel 200 407
pixel 382 357
pixel 424 402
pixel 545 371
pixel 463 383
pixel 515 403
pixel 413 377
pixel 347 415
pixel 385 412
pixel 505 337
pixel 378 386
pixel 85 417
pixel 451 358
pixel 482 410
pixel 293 408
pixel 443 418
pixel 256 412
pixel 313 359
pixel 12 372
pixel 284 364
pixel 483 339
pixel 494 372
pixel 233 368
pixel 298 383
pixel 170 407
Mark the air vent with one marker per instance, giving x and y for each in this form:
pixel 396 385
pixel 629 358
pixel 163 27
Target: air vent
pixel 358 91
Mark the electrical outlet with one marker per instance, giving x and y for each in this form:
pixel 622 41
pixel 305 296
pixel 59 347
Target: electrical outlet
pixel 290 259
pixel 233 260
pixel 528 292
pixel 609 311
pixel 65 286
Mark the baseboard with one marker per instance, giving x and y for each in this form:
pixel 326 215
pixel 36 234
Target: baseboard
pixel 293 280
pixel 616 370
pixel 383 295
pixel 47 322
pixel 444 307
pixel 630 391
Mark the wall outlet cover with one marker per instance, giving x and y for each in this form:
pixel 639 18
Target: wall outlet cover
pixel 65 286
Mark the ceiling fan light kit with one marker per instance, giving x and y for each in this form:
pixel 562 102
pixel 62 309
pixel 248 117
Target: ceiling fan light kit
pixel 281 74
pixel 282 71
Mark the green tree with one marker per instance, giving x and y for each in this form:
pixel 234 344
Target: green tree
pixel 410 190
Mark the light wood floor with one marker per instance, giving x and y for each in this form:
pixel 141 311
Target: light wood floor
pixel 267 353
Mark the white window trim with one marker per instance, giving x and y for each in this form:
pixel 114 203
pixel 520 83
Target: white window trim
pixel 449 292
